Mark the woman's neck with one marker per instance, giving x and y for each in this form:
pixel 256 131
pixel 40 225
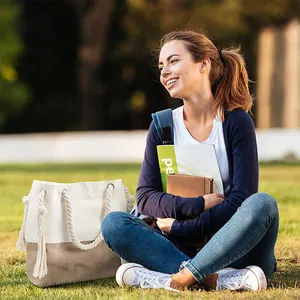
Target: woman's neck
pixel 199 110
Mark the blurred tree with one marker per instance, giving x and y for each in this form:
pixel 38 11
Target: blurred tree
pixel 13 94
pixel 226 22
pixel 48 66
pixel 127 74
pixel 95 27
pixel 92 64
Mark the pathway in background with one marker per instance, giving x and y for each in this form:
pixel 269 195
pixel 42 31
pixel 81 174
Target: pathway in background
pixel 121 146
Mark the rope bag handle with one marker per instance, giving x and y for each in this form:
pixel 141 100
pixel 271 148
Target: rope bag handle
pixel 109 192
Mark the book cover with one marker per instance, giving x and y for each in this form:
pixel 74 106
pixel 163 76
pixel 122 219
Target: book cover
pixel 189 185
pixel 200 160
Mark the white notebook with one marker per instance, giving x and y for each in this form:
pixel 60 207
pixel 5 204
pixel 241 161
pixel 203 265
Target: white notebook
pixel 198 160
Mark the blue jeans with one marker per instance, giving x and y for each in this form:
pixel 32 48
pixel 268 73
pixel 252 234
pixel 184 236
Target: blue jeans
pixel 248 238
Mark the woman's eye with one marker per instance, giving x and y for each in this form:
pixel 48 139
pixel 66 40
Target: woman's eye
pixel 173 61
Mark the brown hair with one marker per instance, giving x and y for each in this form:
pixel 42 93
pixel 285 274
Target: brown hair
pixel 228 75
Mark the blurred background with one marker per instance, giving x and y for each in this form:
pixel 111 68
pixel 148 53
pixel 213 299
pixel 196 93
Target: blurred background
pixel 78 84
pixel 91 65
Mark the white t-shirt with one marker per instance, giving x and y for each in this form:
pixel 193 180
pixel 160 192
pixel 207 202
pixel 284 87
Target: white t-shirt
pixel 216 138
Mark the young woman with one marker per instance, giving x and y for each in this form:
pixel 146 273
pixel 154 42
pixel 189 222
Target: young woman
pixel 213 85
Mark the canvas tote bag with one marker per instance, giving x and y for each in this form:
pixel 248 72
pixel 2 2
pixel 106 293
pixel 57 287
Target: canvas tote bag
pixel 61 230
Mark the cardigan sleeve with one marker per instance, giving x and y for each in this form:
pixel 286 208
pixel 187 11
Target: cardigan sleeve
pixel 244 162
pixel 150 198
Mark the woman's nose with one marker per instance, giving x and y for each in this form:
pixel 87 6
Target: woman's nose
pixel 165 71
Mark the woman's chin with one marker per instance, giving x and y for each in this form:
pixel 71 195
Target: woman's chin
pixel 174 94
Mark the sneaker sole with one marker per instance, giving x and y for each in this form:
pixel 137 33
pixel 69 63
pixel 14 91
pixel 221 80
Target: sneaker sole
pixel 260 276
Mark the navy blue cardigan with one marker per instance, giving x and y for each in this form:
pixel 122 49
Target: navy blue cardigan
pixel 192 221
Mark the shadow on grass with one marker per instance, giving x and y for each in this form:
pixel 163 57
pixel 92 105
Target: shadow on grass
pixel 281 280
pixel 106 282
pixel 287 277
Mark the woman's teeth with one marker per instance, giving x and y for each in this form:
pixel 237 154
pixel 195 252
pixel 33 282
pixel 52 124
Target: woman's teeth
pixel 171 81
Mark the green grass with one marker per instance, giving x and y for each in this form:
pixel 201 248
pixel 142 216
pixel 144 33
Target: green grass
pixel 280 180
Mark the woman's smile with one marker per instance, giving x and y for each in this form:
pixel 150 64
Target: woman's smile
pixel 171 83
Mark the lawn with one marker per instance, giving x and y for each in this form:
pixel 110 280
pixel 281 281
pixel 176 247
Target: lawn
pixel 281 181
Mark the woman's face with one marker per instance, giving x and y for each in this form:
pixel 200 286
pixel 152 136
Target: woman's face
pixel 179 74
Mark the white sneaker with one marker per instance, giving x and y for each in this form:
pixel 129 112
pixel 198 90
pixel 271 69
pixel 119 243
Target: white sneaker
pixel 225 270
pixel 131 274
pixel 250 278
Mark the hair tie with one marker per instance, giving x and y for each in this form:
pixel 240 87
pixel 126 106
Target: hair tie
pixel 221 56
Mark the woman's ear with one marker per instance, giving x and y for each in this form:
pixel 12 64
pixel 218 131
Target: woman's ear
pixel 205 65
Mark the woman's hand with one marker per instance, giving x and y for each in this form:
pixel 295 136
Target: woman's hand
pixel 165 224
pixel 211 200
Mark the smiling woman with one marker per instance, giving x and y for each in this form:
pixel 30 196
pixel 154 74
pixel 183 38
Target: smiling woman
pixel 195 60
pixel 213 85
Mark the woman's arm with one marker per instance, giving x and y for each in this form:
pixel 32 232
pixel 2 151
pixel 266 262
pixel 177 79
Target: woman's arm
pixel 150 198
pixel 241 133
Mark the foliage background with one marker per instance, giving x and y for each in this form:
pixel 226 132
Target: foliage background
pixel 91 65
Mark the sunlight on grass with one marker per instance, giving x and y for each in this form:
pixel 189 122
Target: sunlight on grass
pixel 281 181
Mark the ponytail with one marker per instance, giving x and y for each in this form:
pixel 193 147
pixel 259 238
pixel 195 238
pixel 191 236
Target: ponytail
pixel 231 90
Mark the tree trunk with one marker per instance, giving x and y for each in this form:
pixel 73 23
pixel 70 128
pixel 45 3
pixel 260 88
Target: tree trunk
pixel 95 25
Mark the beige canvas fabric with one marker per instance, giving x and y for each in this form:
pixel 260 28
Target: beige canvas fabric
pixel 67 263
pixel 61 230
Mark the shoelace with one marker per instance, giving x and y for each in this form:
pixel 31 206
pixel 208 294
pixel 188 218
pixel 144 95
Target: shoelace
pixel 234 280
pixel 149 280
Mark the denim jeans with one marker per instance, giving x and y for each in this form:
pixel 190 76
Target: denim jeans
pixel 248 238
